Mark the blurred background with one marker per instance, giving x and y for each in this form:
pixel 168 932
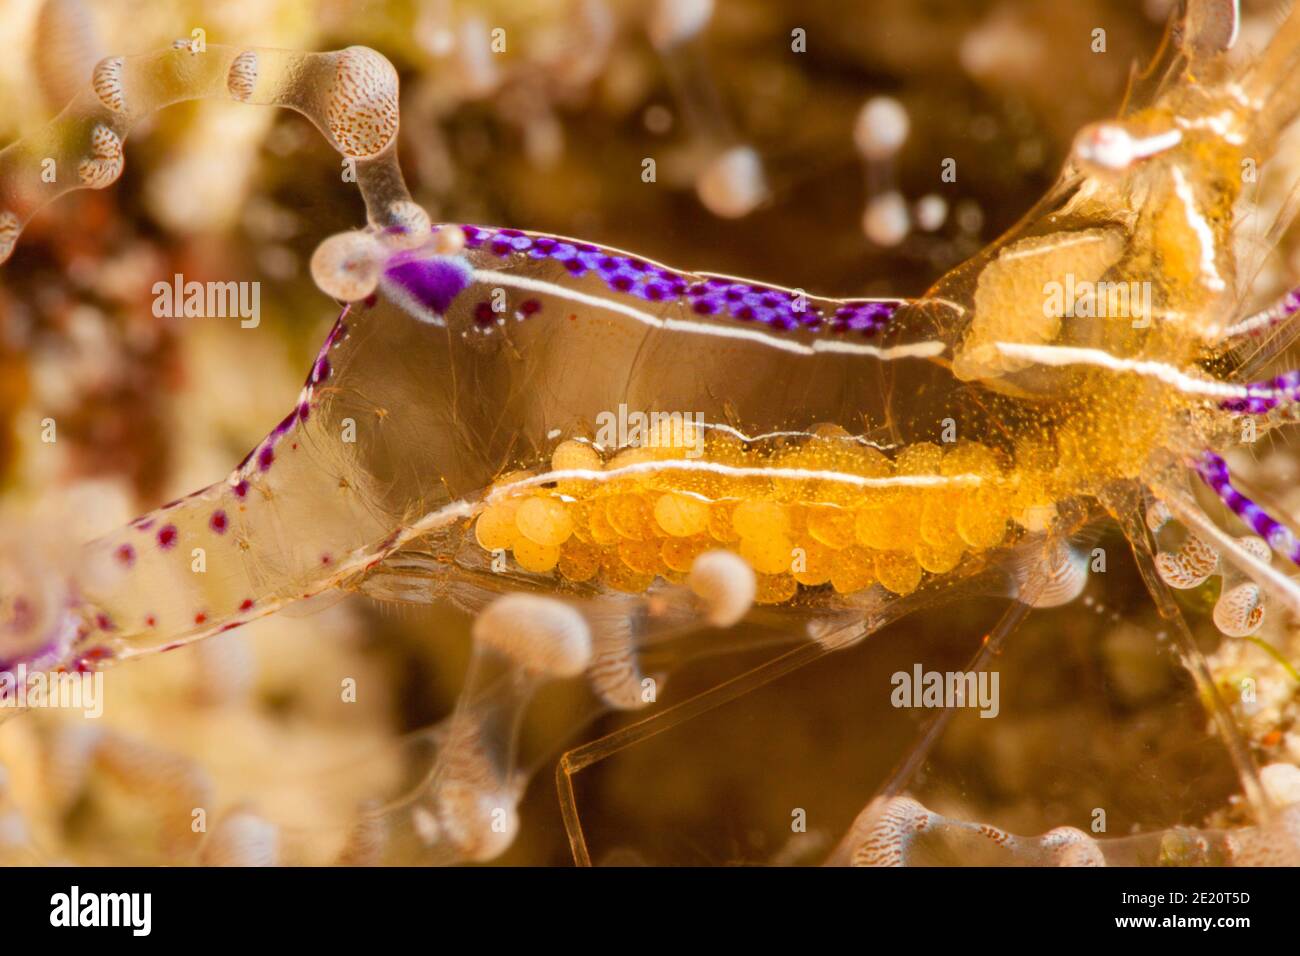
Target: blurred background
pixel 802 144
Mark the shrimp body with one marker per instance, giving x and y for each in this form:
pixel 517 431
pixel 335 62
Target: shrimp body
pixel 573 415
pixel 570 414
pixel 594 419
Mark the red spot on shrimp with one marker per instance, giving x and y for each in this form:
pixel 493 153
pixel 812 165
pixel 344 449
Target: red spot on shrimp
pixel 218 521
pixel 150 621
pixel 200 617
pixel 265 458
pixel 87 660
pixel 125 555
pixel 246 604
pixel 241 489
pixel 104 622
pixel 167 536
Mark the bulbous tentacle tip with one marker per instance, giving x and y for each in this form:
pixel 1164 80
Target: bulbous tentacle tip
pixel 725 584
pixel 1157 516
pixel 361 112
pixel 1239 612
pixel 469 824
pixel 1051 576
pixel 885 832
pixel 1188 567
pixel 241 78
pixel 1072 847
pixel 102 167
pixel 347 266
pixel 106 80
pixel 543 635
pixel 242 839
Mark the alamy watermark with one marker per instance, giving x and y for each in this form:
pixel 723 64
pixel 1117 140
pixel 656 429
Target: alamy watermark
pixel 208 300
pixel 623 429
pixel 20 689
pixel 937 689
pixel 74 908
pixel 1085 299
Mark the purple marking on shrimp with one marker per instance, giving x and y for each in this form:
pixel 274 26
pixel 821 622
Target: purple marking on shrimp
pixel 266 457
pixel 778 309
pixel 240 488
pixel 321 368
pixel 427 285
pixel 1214 472
pixel 45 657
pixel 218 522
pixel 1263 397
pixel 1265 319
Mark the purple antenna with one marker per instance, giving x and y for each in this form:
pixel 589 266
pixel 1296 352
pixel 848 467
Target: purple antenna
pixel 1279 311
pixel 1263 397
pixel 1214 472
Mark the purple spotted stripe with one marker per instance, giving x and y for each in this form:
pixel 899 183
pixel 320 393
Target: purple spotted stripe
pixel 1214 472
pixel 776 309
pixel 262 457
pixel 1263 397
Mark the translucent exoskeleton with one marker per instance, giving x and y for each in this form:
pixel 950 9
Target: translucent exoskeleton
pixel 598 455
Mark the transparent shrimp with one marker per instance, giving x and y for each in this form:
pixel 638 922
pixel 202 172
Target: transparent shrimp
pixel 598 454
